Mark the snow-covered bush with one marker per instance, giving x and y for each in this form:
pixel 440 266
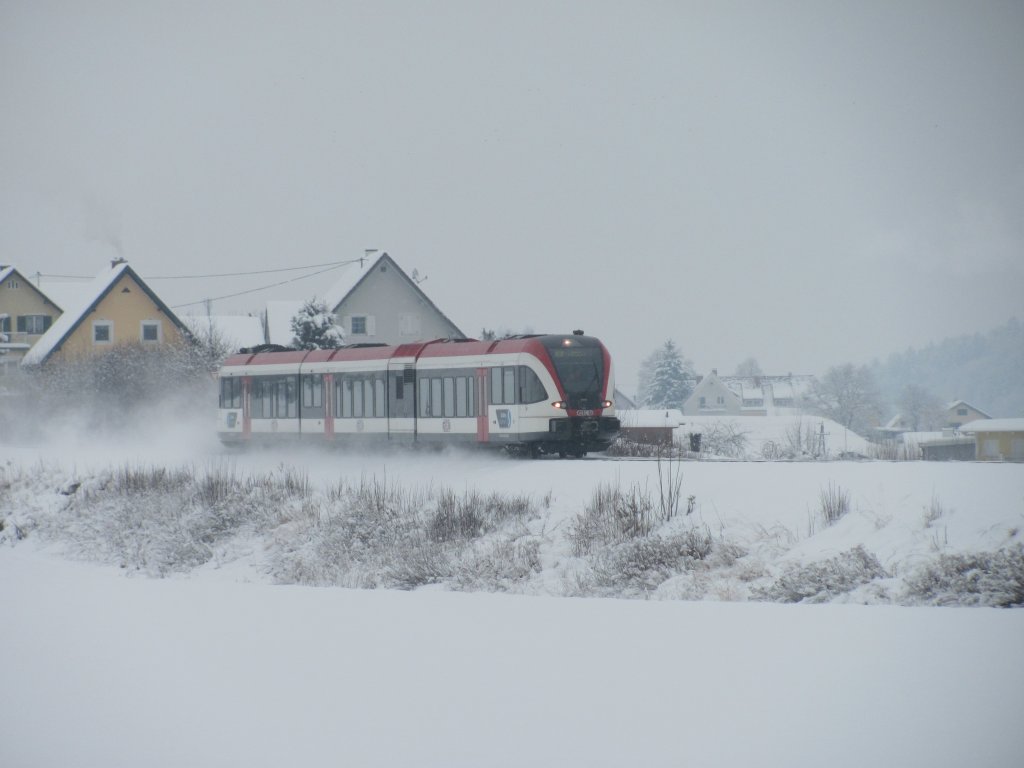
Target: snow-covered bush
pixel 315 327
pixel 822 581
pixel 126 385
pixel 982 578
pixel 642 564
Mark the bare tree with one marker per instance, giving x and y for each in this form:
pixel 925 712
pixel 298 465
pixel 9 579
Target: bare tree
pixel 920 407
pixel 749 367
pixel 848 394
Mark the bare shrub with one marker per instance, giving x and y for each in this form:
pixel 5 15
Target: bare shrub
pixel 612 516
pixel 834 504
pixel 724 438
pixel 894 450
pixel 933 512
pixel 982 578
pixel 822 581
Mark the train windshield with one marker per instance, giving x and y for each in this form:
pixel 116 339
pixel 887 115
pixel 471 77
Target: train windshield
pixel 580 368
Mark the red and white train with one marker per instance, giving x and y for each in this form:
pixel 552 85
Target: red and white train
pixel 531 394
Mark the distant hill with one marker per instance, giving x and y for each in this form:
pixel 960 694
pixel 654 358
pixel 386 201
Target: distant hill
pixel 986 370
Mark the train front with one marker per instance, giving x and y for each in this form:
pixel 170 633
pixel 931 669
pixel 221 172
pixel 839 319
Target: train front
pixel 583 374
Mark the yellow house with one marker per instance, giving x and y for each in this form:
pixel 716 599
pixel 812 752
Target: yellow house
pixel 997 439
pixel 116 308
pixel 26 313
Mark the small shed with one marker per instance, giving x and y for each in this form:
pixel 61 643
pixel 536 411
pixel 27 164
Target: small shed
pixel 948 449
pixel 997 439
pixel 650 426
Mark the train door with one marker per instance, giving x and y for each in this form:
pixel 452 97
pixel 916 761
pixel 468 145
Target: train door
pixel 401 400
pixel 482 395
pixel 502 411
pixel 246 407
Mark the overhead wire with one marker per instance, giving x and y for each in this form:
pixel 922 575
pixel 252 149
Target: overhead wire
pixel 330 266
pixel 261 288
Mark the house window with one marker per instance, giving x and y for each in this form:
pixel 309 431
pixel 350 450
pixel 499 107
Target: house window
pixel 358 325
pixel 34 324
pixel 961 411
pixel 703 402
pixel 102 332
pixel 721 400
pixel 5 324
pixel 13 284
pixel 150 331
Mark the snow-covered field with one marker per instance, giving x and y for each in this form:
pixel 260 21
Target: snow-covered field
pixel 218 665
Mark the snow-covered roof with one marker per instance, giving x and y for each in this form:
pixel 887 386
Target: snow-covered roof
pixel 87 296
pixel 9 270
pixel 236 330
pixel 347 279
pixel 964 403
pixel 66 293
pixel 646 418
pixel 994 425
pixel 279 321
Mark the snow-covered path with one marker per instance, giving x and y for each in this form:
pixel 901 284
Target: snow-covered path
pixel 102 670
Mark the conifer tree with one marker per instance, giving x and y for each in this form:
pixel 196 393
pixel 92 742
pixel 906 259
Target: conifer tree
pixel 666 378
pixel 314 327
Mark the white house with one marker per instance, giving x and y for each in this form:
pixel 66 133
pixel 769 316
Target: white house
pixel 375 301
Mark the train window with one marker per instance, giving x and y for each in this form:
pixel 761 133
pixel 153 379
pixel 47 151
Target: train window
pixel 312 392
pixel 495 386
pixel 424 395
pixel 531 390
pixel 346 397
pixel 231 393
pixel 449 396
pixel 357 398
pixel 274 397
pixel 508 389
pixel 379 399
pixel 471 387
pixel 461 396
pixel 436 400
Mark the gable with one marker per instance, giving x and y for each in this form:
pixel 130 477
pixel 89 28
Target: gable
pixel 119 300
pixel 394 307
pixel 20 296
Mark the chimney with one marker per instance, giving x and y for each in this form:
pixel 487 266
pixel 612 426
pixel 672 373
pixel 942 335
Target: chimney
pixel 116 262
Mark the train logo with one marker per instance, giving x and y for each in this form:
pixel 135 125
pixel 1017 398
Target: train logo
pixel 504 418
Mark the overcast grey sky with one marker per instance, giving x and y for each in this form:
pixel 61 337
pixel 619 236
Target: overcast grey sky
pixel 809 183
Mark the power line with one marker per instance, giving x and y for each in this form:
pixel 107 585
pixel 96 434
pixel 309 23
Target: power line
pixel 265 287
pixel 222 274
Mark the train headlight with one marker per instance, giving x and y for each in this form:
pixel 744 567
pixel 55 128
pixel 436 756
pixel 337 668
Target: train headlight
pixel 606 404
pixel 559 404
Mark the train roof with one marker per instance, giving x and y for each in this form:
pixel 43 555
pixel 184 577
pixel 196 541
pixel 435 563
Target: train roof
pixel 272 355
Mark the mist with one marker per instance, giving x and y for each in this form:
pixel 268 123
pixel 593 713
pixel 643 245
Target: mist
pixel 808 185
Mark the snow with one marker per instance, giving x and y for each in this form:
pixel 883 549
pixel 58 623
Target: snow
pixel 218 666
pixel 279 321
pixel 994 425
pixel 645 418
pixel 760 429
pixel 347 279
pixel 237 330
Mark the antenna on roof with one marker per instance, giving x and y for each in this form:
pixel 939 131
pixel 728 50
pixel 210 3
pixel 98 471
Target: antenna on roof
pixel 416 277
